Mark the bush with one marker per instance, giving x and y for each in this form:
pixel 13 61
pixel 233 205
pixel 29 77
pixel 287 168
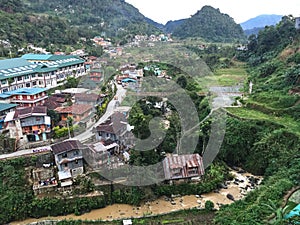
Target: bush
pixel 209 205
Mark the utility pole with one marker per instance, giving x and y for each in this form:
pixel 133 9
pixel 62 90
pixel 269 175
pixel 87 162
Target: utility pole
pixel 68 129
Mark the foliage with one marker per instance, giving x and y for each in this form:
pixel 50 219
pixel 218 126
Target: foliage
pixel 210 24
pixel 209 205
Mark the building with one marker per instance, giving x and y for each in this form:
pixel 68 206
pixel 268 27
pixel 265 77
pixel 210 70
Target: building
pixel 177 167
pixel 68 158
pixel 25 97
pixel 5 108
pixel 88 99
pixel 99 154
pixel 96 74
pixel 29 124
pixel 297 23
pixel 78 112
pixel 38 70
pixel 116 129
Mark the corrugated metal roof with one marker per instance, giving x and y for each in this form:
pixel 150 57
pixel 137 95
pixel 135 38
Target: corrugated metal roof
pixel 6 106
pixel 31 56
pixel 66 146
pixel 24 91
pixel 183 166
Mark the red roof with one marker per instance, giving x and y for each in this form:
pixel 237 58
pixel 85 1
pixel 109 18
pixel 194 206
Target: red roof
pixel 77 109
pixel 87 97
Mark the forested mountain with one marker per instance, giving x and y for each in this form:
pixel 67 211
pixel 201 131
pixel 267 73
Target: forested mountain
pixel 18 27
pixel 210 24
pixel 172 25
pixel 58 22
pixel 111 17
pixel 261 21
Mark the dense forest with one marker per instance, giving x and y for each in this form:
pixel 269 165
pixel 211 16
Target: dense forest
pixel 211 25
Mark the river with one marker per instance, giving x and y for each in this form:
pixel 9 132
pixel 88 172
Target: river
pixel 163 205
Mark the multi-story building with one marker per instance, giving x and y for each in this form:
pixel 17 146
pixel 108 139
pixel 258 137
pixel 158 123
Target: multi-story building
pixel 68 156
pixel 28 124
pixel 25 97
pixel 38 70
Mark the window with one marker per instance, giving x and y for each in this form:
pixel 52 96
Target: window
pixel 3 81
pixel 66 164
pixel 28 85
pixel 26 77
pixel 64 155
pixel 76 161
pixel 76 152
pixel 20 78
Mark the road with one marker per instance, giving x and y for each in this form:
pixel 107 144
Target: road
pixel 120 95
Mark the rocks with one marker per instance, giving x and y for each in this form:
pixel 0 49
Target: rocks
pixel 230 197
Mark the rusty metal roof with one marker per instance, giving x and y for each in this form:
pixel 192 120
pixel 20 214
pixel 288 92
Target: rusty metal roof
pixel 182 166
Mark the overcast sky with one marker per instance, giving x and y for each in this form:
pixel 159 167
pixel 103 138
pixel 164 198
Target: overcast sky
pixel 240 10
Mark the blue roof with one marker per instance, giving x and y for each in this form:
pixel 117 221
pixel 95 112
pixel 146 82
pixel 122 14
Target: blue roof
pixel 128 80
pixel 294 212
pixel 21 66
pixel 6 106
pixel 15 67
pixel 25 91
pixel 31 56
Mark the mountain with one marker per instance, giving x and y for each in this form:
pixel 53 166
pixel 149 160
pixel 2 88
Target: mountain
pixel 210 24
pixel 155 24
pixel 110 17
pixel 172 25
pixel 261 21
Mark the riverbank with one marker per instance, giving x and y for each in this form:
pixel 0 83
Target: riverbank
pixel 233 190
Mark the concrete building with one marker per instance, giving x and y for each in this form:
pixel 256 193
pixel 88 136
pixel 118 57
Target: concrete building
pixel 38 70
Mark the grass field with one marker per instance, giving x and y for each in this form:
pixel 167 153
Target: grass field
pixel 232 76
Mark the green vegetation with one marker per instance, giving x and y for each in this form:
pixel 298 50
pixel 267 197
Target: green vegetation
pixel 105 17
pixel 263 136
pixel 210 24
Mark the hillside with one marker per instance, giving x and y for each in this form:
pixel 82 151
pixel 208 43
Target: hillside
pixel 263 136
pixel 62 23
pixel 112 17
pixel 261 21
pixel 210 24
pixel 171 25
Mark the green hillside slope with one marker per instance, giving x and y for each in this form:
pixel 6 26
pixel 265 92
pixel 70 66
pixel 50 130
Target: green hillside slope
pixel 210 24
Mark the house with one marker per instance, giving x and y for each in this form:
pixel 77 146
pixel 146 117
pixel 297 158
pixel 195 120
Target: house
pixel 177 167
pixel 78 112
pixel 68 158
pixel 4 109
pixel 25 97
pixel 99 154
pixel 115 128
pixel 88 99
pixel 96 74
pixel 28 124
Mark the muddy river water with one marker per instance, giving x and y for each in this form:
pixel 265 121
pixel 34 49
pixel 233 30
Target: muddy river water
pixel 236 188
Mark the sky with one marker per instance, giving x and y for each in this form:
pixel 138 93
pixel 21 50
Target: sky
pixel 162 11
